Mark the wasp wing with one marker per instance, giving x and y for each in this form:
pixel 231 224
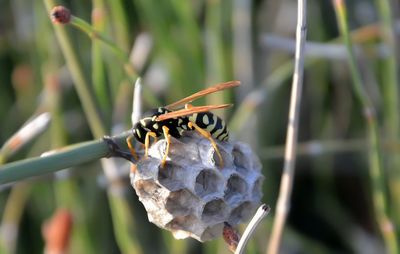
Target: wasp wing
pixel 190 111
pixel 209 90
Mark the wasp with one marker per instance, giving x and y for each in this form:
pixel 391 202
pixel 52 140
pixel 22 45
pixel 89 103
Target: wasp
pixel 176 118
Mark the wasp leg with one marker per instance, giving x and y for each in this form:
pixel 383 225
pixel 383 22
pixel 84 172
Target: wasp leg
pixel 116 151
pixel 168 139
pixel 131 148
pixel 208 136
pixel 147 142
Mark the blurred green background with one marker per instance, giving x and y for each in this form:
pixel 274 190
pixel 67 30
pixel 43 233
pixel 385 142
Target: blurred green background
pixel 180 47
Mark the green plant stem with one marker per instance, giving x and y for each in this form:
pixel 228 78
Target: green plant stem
pixel 375 161
pixel 188 68
pixel 81 84
pixel 121 54
pixel 96 35
pixel 390 78
pixel 391 102
pixel 71 156
pixel 98 67
pixel 216 68
pixel 125 227
pixel 120 23
pixel 98 130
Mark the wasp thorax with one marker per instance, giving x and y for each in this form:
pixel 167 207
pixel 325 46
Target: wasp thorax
pixel 192 196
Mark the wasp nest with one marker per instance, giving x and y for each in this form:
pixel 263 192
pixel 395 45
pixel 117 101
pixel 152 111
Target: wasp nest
pixel 192 195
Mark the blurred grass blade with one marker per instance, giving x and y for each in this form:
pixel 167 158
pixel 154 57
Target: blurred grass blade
pixel 80 81
pixel 141 51
pixel 121 25
pixel 375 160
pixel 99 77
pixel 29 131
pixel 390 86
pixel 12 215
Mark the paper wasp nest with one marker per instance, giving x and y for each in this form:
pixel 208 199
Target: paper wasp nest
pixel 191 196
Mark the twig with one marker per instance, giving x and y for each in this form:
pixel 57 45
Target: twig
pixel 70 156
pixel 327 50
pixel 262 211
pixel 285 192
pixel 317 147
pixel 137 102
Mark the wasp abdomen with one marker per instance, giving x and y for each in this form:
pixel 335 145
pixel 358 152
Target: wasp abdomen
pixel 211 123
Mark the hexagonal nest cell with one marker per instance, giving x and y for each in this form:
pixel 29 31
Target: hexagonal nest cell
pixel 181 202
pixel 207 182
pixel 170 175
pixel 240 213
pixel 212 232
pixel 183 223
pixel 214 210
pixel 147 189
pixel 234 189
pixel 257 188
pixel 192 196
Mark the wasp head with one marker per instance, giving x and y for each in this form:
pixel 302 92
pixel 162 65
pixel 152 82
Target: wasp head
pixel 148 124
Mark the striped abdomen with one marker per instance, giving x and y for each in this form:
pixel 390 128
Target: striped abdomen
pixel 211 123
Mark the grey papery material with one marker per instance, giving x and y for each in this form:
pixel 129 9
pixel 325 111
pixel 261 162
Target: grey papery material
pixel 192 196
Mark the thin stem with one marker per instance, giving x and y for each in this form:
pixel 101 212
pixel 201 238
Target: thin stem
pixel 68 157
pixel 262 211
pixel 137 102
pixel 318 147
pixel 94 34
pixel 99 21
pixel 375 161
pixel 121 54
pixel 119 203
pixel 285 192
pixel 81 84
pixel 391 100
pixel 121 24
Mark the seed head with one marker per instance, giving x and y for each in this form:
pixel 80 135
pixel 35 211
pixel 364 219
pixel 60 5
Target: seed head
pixel 60 15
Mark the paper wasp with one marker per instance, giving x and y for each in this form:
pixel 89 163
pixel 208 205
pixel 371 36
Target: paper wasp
pixel 169 122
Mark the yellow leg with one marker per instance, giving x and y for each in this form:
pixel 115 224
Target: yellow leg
pixel 131 148
pixel 168 139
pixel 208 136
pixel 147 142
